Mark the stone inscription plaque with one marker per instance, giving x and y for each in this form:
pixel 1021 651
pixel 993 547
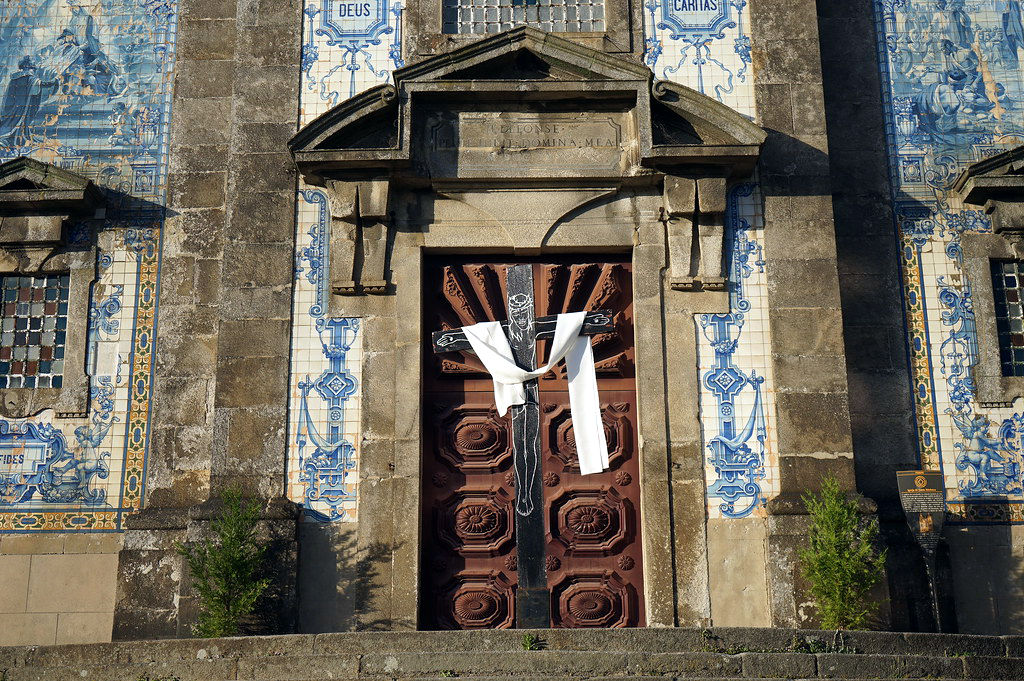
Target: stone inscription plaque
pixel 524 144
pixel 924 502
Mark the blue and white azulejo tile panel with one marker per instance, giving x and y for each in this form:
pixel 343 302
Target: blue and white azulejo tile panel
pixel 737 398
pixel 953 88
pixel 347 48
pixel 325 380
pixel 703 44
pixel 86 85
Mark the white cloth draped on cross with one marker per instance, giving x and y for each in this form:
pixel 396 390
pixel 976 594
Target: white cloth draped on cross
pixel 491 345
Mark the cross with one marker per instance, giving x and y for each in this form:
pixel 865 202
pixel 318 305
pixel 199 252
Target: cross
pixel 524 330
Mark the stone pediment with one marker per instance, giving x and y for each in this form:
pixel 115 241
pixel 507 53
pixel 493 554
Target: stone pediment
pixel 525 104
pixel 997 184
pixel 31 187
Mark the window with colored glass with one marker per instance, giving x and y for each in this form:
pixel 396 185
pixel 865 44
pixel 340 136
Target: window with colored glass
pixel 494 16
pixel 1006 292
pixel 33 330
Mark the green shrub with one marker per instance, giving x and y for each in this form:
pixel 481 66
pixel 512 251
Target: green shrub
pixel 841 562
pixel 226 571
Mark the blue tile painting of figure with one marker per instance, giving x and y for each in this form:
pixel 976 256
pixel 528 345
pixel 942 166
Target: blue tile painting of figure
pixel 85 84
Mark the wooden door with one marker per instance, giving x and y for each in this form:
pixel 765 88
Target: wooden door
pixel 593 552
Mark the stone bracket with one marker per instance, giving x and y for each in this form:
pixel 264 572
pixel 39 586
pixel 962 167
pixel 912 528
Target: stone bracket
pixel 359 211
pixel 694 216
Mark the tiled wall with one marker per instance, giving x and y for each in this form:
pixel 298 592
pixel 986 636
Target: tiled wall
pixel 86 86
pixel 953 88
pixel 707 48
pixel 341 56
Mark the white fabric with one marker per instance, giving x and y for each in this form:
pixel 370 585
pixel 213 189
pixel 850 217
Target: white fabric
pixel 491 345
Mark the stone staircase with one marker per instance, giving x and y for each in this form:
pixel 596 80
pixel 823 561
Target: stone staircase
pixel 628 654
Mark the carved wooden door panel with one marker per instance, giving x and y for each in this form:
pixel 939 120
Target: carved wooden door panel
pixel 593 547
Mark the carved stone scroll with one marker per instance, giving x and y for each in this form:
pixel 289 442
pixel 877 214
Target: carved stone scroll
pixel 694 215
pixel 359 212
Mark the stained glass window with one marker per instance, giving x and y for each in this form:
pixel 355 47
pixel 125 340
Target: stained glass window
pixel 1007 286
pixel 494 16
pixel 33 330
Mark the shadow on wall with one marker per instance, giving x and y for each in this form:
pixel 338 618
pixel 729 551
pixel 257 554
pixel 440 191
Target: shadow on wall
pixel 988 577
pixel 337 579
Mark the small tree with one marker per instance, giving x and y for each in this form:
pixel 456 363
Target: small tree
pixel 841 562
pixel 226 571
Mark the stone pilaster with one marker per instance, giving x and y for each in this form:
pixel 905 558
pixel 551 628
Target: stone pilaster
pixel 219 416
pixel 812 400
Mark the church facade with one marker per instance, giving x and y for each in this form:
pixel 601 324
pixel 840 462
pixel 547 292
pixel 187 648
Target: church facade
pixel 240 241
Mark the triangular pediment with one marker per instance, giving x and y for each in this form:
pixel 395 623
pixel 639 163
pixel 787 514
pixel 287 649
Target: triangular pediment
pixel 29 186
pixel 537 52
pixel 520 65
pixel 996 177
pixel 28 173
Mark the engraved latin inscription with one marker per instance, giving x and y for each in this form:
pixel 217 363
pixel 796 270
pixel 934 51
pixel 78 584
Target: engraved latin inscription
pixel 529 131
pixel 478 142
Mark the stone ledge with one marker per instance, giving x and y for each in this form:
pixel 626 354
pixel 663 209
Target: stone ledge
pixel 631 653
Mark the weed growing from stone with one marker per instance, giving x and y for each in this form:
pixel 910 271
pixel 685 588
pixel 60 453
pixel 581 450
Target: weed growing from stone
pixel 448 674
pixel 226 571
pixel 531 642
pixel 841 561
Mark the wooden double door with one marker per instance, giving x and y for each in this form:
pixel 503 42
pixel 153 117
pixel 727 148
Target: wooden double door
pixel 592 524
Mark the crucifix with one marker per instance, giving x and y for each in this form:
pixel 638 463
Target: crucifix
pixel 523 330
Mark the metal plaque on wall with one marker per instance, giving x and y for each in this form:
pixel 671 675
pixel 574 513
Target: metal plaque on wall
pixel 924 502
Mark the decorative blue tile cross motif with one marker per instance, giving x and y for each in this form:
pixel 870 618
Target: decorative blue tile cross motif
pixel 325 472
pixel 737 429
pixel 348 33
pixel 353 20
pixel 703 44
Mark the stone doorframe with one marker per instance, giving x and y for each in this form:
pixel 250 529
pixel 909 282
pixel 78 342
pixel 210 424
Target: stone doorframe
pixel 576 151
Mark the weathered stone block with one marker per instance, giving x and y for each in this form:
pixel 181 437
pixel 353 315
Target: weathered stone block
pixel 779 665
pixel 14 574
pixel 269 45
pixel 198 190
pixel 264 172
pixel 20 629
pixel 254 338
pixel 264 217
pixel 813 423
pixel 197 78
pixel 252 382
pixel 85 627
pixel 205 121
pixel 836 666
pixel 206 39
pixel 250 265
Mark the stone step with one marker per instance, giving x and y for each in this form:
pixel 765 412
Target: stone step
pixel 546 664
pixel 499 655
